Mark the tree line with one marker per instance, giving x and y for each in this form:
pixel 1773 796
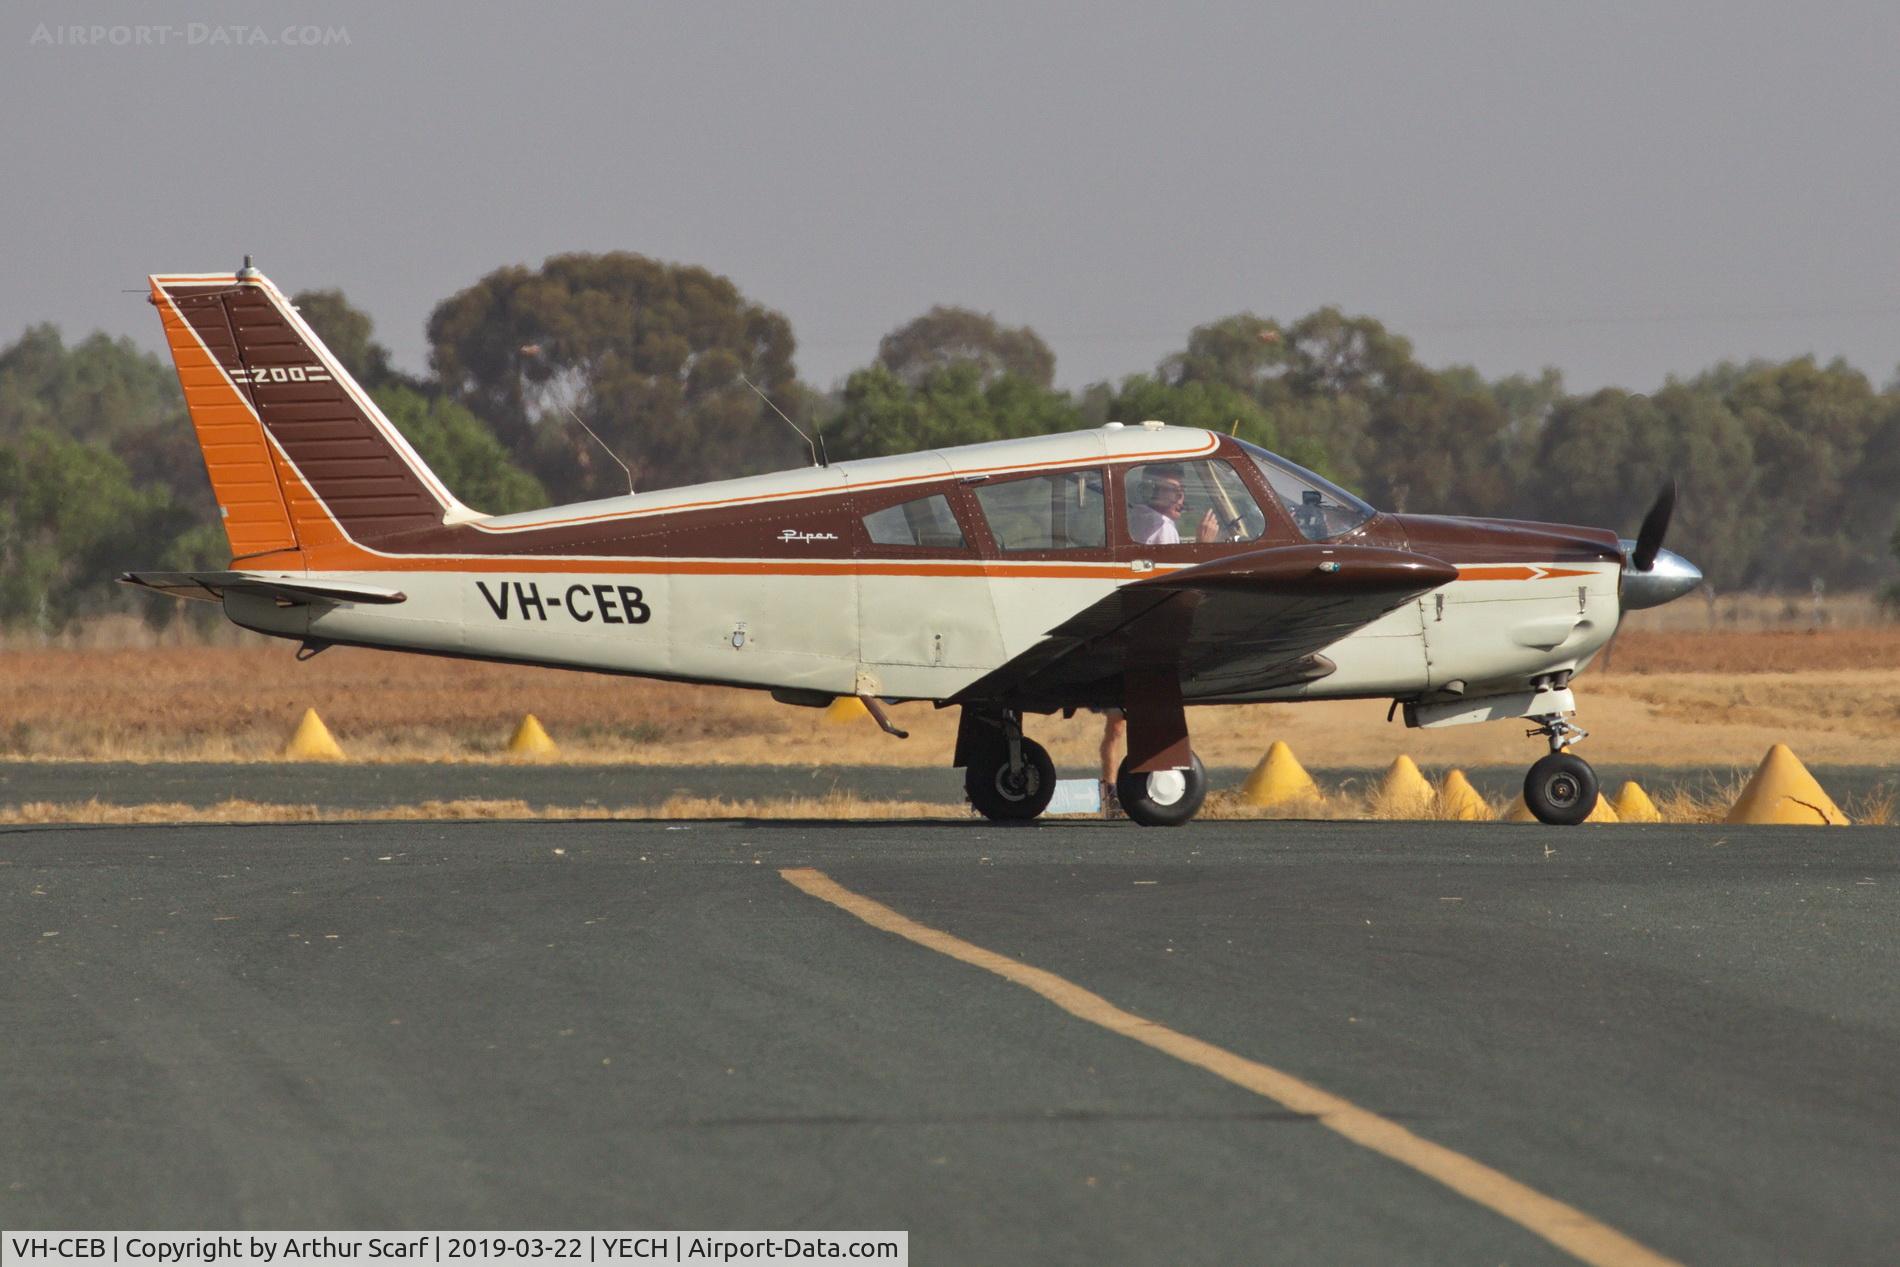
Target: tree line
pixel 1787 469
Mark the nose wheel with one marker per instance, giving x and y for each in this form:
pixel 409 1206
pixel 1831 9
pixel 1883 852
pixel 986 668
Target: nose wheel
pixel 1561 789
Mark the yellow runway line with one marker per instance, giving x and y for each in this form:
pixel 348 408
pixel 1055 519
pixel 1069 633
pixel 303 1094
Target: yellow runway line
pixel 1564 1226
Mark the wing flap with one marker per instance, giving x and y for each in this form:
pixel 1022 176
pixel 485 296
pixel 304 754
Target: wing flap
pixel 211 587
pixel 1239 624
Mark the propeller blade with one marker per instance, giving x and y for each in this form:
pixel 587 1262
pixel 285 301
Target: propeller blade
pixel 1649 537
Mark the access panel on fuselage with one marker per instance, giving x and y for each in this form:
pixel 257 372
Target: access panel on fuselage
pixel 926 624
pixel 765 592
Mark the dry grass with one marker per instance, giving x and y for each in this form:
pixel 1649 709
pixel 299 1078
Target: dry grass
pixel 1638 651
pixel 1350 801
pixel 1669 699
pixel 832 808
pixel 1711 804
pixel 1756 613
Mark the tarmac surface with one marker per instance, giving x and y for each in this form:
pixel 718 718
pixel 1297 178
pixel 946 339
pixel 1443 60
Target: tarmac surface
pixel 1687 1033
pixel 352 786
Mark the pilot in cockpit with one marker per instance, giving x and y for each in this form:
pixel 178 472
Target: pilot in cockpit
pixel 1162 497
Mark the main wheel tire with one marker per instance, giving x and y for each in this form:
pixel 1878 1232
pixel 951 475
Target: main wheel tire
pixel 1005 798
pixel 1561 790
pixel 1163 798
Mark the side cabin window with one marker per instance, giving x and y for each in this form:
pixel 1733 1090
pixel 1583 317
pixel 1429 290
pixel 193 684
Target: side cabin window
pixel 1202 501
pixel 924 521
pixel 1060 510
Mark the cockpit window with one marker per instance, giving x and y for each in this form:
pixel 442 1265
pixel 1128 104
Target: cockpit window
pixel 1059 511
pixel 927 521
pixel 1320 508
pixel 1205 500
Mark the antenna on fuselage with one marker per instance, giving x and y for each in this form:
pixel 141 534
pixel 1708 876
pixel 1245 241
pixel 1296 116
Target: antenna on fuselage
pixel 534 349
pixel 818 455
pixel 603 444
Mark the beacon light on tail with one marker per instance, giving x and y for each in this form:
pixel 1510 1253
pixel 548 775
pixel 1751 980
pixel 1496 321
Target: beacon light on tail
pixel 1142 567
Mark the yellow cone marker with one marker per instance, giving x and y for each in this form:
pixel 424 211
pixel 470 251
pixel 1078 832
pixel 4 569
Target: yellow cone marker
pixel 1604 811
pixel 1783 791
pixel 1520 812
pixel 313 741
pixel 1633 805
pixel 1278 780
pixel 531 739
pixel 1458 799
pixel 846 708
pixel 1403 792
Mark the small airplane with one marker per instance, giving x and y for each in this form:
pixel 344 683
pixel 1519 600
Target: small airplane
pixel 1136 567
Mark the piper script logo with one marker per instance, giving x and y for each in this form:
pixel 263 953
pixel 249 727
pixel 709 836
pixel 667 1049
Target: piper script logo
pixel 281 374
pixel 793 534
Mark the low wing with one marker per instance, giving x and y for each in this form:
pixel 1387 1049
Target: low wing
pixel 1230 627
pixel 211 587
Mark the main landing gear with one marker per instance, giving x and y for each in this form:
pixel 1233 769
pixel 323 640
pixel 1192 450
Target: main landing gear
pixel 1010 779
pixel 1162 798
pixel 1561 789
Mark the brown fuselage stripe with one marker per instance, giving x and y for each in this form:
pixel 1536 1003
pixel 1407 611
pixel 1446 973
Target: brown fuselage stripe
pixel 928 478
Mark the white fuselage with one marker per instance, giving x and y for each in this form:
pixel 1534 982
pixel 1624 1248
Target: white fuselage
pixel 916 632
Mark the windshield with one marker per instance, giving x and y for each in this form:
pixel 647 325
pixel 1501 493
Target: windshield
pixel 1320 508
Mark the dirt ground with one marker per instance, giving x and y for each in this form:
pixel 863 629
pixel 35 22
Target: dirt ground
pixel 1665 697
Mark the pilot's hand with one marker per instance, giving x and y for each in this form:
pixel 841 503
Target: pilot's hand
pixel 1210 526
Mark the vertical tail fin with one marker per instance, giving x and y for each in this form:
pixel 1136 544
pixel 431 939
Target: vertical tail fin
pixel 298 453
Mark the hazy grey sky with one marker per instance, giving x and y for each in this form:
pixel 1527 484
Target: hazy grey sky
pixel 1618 190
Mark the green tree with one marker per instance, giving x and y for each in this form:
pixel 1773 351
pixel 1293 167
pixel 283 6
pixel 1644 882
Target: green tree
pixel 100 389
pixel 109 393
pixel 349 334
pixel 1329 434
pixel 1810 426
pixel 1334 354
pixel 1434 442
pixel 1602 458
pixel 649 354
pixel 461 451
pixel 1528 402
pixel 1245 352
pixel 948 336
pixel 881 414
pixel 70 519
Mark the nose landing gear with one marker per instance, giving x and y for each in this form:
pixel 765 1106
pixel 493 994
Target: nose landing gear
pixel 1561 789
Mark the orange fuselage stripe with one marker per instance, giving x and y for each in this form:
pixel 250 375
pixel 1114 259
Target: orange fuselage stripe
pixel 1517 572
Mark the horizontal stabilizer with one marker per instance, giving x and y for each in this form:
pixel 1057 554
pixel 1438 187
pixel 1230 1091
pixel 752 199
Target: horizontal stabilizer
pixel 211 587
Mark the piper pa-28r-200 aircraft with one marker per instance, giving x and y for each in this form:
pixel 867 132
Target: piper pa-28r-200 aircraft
pixel 1141 567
